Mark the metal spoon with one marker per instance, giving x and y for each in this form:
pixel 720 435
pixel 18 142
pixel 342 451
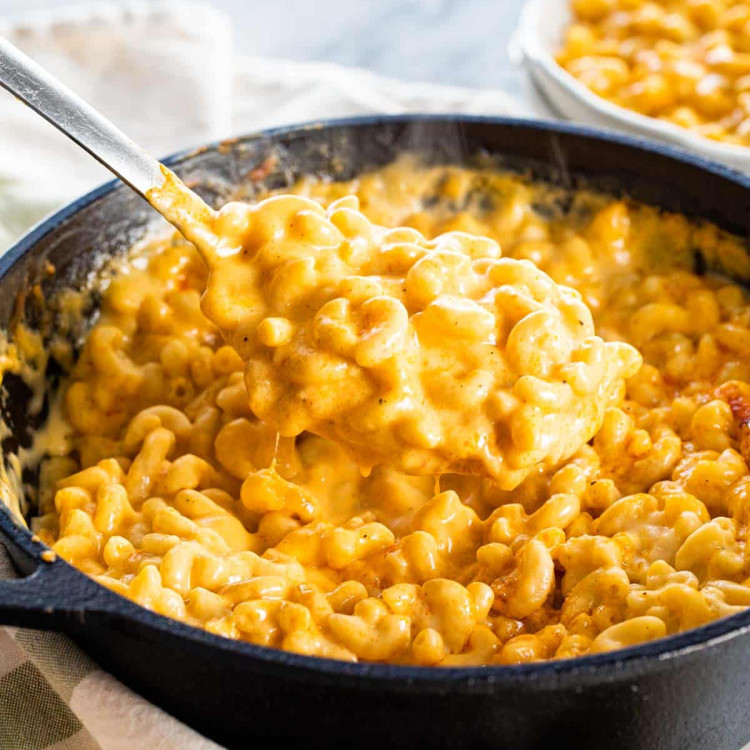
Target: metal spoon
pixel 87 127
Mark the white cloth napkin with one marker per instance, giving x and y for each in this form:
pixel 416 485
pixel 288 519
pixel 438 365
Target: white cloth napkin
pixel 164 72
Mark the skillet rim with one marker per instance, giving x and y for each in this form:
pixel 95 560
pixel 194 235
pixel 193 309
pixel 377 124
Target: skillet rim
pixel 544 673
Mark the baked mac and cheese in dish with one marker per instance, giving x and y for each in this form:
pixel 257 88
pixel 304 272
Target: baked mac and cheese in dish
pixel 184 472
pixel 683 61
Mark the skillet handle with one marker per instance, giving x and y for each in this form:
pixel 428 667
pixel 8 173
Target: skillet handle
pixel 48 598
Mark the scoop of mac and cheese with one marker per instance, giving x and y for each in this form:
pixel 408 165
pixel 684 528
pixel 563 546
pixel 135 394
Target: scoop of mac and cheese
pixel 430 356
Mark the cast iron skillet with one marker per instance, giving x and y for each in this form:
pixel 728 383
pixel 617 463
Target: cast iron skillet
pixel 686 691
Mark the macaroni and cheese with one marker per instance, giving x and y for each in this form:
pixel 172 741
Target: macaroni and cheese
pixel 164 486
pixel 430 356
pixel 683 61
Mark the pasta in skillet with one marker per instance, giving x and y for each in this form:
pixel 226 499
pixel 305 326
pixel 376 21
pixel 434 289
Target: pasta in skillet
pixel 171 492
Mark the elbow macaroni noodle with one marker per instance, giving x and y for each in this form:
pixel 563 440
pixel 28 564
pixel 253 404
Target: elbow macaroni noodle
pixel 683 61
pixel 170 491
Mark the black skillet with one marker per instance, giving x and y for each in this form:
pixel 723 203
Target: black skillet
pixel 686 691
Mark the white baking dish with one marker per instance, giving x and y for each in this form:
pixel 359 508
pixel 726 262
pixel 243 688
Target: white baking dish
pixel 541 33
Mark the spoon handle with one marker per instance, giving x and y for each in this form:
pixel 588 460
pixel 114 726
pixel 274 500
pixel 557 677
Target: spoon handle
pixel 70 114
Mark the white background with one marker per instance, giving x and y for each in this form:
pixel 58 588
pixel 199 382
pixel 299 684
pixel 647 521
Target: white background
pixel 455 42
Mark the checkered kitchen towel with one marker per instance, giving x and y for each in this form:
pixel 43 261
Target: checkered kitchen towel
pixel 51 694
